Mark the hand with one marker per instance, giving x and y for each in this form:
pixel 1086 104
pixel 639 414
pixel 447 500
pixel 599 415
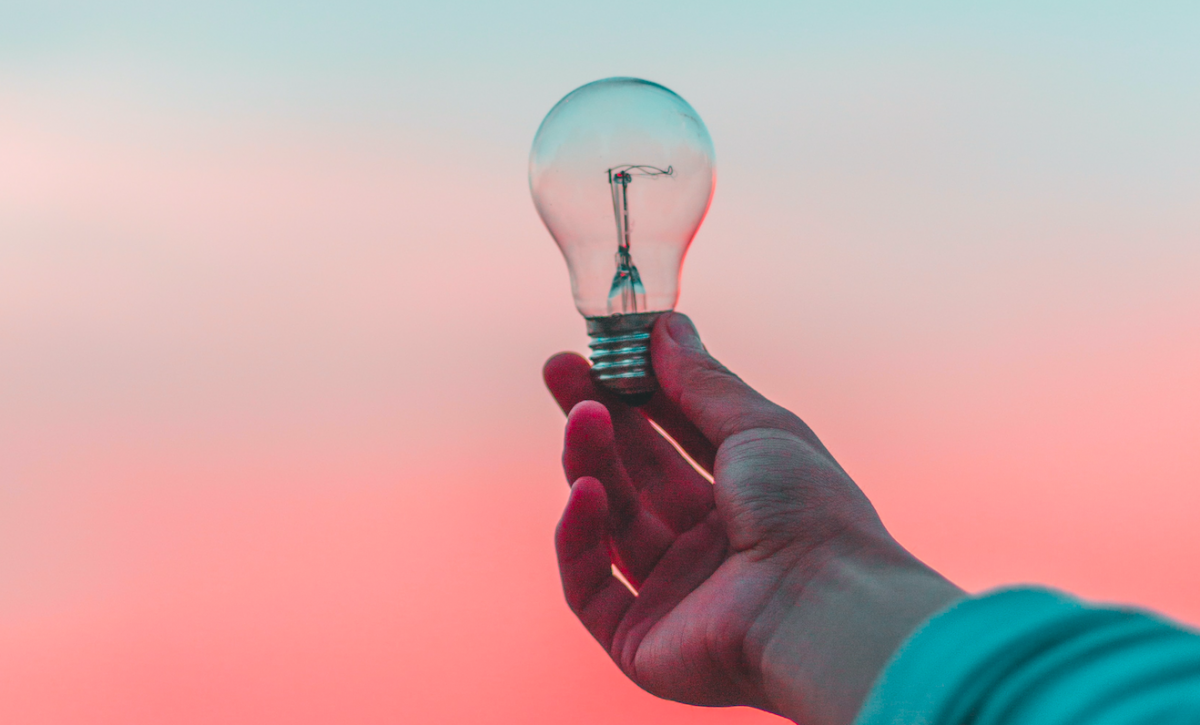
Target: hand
pixel 775 586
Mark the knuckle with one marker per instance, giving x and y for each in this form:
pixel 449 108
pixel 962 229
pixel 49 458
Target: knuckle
pixel 783 492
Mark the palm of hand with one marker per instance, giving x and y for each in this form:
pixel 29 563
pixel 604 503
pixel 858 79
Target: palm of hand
pixel 709 561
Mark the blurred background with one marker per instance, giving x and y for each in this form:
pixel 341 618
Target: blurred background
pixel 274 300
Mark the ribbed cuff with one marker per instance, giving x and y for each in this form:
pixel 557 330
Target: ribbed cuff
pixel 947 670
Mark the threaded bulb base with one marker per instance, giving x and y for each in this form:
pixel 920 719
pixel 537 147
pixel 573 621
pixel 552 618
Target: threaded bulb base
pixel 621 355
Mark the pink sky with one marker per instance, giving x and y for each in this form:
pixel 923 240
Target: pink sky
pixel 273 443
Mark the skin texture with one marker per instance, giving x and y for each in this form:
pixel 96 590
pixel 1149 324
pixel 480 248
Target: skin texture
pixel 775 586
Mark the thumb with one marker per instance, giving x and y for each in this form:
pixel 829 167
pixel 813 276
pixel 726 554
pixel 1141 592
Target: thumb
pixel 716 401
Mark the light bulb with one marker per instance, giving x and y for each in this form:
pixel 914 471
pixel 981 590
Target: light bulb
pixel 622 173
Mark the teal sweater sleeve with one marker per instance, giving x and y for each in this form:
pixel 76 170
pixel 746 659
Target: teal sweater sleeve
pixel 1036 657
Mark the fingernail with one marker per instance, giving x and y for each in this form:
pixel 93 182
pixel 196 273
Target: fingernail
pixel 683 332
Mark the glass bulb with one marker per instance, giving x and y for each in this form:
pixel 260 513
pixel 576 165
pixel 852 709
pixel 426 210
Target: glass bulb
pixel 622 173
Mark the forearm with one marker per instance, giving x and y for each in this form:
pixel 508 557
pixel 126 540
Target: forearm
pixel 839 630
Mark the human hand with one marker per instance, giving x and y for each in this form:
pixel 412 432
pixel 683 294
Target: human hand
pixel 775 586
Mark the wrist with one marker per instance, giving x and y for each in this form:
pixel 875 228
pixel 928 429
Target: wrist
pixel 837 625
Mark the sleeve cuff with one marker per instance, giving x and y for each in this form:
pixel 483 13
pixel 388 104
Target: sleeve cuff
pixel 987 658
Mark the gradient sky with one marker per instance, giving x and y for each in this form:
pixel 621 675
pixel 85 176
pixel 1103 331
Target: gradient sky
pixel 274 301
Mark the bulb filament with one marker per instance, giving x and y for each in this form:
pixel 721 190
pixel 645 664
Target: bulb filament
pixel 627 283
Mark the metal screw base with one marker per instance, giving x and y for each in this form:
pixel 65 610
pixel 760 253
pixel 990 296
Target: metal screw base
pixel 621 355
